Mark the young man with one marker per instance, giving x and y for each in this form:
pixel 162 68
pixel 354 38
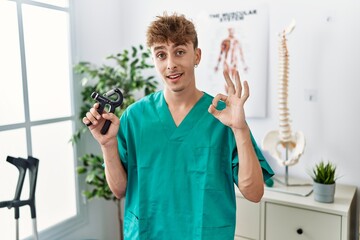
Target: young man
pixel 177 153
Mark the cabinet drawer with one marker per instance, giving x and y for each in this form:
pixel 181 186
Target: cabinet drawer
pixel 284 223
pixel 247 219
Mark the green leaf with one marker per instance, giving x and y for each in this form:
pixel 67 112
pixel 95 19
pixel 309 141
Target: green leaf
pixel 90 177
pixel 88 194
pixel 81 170
pixel 134 52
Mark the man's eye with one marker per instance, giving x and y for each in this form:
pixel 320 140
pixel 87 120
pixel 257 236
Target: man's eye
pixel 160 55
pixel 180 52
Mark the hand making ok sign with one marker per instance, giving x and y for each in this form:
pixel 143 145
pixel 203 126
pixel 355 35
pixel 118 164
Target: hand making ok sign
pixel 233 115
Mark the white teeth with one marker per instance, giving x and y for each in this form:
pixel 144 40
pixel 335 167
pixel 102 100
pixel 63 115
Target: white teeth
pixel 174 76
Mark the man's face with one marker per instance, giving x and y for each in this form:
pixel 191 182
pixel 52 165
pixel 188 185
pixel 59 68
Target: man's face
pixel 175 64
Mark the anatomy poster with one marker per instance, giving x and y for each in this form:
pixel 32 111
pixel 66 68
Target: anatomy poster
pixel 235 40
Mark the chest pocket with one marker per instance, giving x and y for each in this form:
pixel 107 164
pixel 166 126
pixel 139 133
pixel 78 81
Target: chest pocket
pixel 210 167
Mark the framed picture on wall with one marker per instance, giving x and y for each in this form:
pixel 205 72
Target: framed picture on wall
pixel 235 40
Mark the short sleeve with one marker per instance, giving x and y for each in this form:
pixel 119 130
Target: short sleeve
pixel 121 137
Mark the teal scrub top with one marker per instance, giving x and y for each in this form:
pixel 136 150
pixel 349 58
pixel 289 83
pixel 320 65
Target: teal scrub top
pixel 180 179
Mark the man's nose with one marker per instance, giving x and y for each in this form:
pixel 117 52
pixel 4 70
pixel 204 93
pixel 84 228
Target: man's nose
pixel 171 64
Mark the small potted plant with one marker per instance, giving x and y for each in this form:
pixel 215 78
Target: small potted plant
pixel 324 176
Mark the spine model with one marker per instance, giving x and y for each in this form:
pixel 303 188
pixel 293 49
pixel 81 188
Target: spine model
pixel 284 145
pixel 284 116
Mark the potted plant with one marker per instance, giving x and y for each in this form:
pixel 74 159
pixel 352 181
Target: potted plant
pixel 324 176
pixel 126 72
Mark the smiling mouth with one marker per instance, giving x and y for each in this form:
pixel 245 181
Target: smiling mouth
pixel 174 76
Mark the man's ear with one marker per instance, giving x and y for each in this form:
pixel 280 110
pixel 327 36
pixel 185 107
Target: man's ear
pixel 197 56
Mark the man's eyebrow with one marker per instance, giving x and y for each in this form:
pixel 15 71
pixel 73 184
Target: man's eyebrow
pixel 174 46
pixel 158 48
pixel 180 44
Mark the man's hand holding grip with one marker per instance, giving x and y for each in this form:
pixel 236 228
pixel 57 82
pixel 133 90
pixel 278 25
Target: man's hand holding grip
pixel 103 101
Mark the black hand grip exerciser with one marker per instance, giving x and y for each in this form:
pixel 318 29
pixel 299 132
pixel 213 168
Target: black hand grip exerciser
pixel 104 100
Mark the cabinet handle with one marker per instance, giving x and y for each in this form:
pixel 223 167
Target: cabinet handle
pixel 299 231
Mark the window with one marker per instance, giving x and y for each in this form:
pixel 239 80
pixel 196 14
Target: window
pixel 37 116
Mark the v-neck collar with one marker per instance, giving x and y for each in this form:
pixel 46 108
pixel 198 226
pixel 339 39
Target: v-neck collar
pixel 174 132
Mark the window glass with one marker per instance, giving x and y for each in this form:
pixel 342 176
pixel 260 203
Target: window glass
pixel 55 196
pixel 7 222
pixel 47 60
pixel 11 98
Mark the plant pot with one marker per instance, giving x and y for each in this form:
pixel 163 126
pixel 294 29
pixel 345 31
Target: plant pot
pixel 324 192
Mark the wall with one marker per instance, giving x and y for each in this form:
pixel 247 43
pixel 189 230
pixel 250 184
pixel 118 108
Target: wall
pixel 324 57
pixel 96 34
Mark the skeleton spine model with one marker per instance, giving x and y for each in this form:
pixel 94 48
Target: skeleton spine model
pixel 293 144
pixel 284 116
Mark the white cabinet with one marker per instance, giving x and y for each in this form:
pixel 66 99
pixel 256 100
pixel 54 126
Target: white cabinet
pixel 280 216
pixel 247 219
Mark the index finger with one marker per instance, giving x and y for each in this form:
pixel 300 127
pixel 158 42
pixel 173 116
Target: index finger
pixel 96 105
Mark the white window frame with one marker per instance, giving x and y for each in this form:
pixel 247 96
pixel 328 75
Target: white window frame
pixel 62 229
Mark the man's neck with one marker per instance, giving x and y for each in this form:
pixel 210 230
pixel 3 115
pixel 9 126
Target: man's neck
pixel 182 99
pixel 181 103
